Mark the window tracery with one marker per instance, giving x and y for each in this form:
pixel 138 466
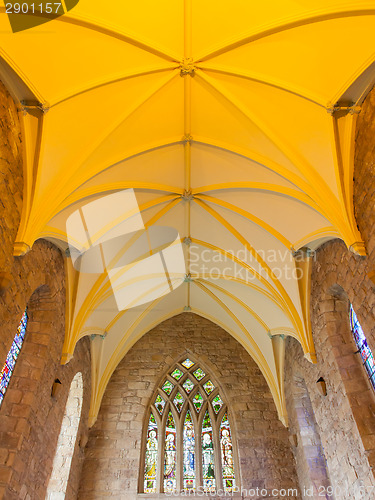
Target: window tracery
pixel 362 345
pixel 12 356
pixel 188 439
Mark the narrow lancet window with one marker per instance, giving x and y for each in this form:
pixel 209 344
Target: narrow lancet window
pixel 227 455
pixel 189 453
pixel 10 362
pixel 363 348
pixel 170 476
pixel 208 455
pixel 151 460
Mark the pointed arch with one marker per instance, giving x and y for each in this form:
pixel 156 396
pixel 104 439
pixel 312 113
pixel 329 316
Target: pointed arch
pixel 187 405
pixel 58 481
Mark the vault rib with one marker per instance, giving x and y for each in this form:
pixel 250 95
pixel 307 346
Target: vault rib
pixel 55 197
pixel 311 18
pixel 250 217
pixel 290 308
pixel 96 291
pixel 110 31
pixel 117 79
pixel 320 187
pixel 318 100
pixel 236 299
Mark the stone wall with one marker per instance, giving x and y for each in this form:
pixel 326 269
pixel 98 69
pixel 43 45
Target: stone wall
pixel 113 452
pixel 345 418
pixel 30 419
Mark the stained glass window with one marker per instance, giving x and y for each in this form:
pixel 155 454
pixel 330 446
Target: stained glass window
pixel 189 453
pixel 208 460
pixel 188 385
pixel 187 363
pixel 198 401
pixel 208 387
pixel 217 403
pixel 159 404
pixel 199 374
pixel 174 440
pixel 227 465
pixel 363 348
pixel 177 374
pixel 168 387
pixel 179 401
pixel 151 456
pixel 170 474
pixel 12 356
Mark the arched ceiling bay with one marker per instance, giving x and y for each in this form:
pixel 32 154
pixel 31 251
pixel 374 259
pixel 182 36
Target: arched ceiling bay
pixel 234 124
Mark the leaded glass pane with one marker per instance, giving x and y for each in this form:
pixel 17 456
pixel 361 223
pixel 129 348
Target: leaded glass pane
pixel 188 385
pixel 170 481
pixel 363 348
pixel 187 363
pixel 199 374
pixel 198 401
pixel 179 401
pixel 208 387
pixel 167 387
pixel 217 403
pixel 159 404
pixel 189 453
pixel 227 455
pixel 151 459
pixel 177 374
pixel 12 356
pixel 208 460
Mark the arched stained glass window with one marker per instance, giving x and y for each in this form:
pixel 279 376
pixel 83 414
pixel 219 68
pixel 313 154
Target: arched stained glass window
pixel 208 454
pixel 189 453
pixel 188 438
pixel 226 447
pixel 151 460
pixel 170 454
pixel 363 348
pixel 12 356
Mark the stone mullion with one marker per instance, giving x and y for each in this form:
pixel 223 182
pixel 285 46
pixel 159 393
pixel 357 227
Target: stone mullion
pixel 198 450
pixel 161 456
pixel 217 454
pixel 180 449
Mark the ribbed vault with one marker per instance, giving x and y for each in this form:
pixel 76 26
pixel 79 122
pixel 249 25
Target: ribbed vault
pixel 233 125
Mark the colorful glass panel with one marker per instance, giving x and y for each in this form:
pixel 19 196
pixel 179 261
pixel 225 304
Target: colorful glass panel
pixel 187 363
pixel 179 401
pixel 363 348
pixel 199 374
pixel 208 387
pixel 188 385
pixel 151 459
pixel 12 356
pixel 189 453
pixel 227 465
pixel 198 401
pixel 159 404
pixel 177 374
pixel 208 460
pixel 170 475
pixel 168 387
pixel 217 403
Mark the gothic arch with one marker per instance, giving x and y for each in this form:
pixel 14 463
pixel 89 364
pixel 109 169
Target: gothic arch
pixel 66 444
pixel 308 449
pixel 190 390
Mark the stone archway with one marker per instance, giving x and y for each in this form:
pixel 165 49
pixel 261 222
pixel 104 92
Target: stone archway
pixel 58 482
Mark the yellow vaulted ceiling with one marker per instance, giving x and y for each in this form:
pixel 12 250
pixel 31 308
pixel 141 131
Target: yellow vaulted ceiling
pixel 234 123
